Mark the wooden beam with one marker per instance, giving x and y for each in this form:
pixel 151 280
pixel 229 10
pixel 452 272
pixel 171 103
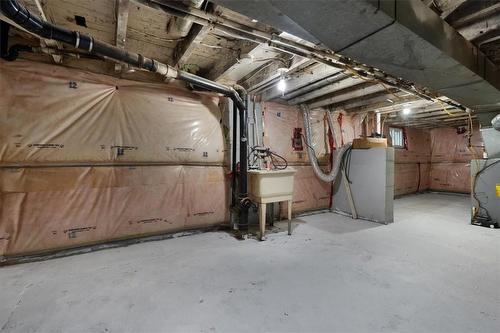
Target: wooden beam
pixel 122 10
pixel 221 67
pixel 185 48
pixel 434 120
pixel 450 7
pixel 366 100
pixel 384 103
pixel 476 16
pixel 360 90
pixel 341 84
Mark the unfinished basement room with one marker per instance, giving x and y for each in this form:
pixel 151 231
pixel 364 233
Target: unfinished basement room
pixel 250 166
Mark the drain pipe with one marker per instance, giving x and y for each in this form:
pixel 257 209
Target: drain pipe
pixel 243 199
pixel 316 53
pixel 43 29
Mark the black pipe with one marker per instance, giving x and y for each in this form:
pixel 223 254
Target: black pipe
pixel 46 30
pixel 4 38
pixel 21 16
pixel 233 157
pixel 14 50
pixel 242 179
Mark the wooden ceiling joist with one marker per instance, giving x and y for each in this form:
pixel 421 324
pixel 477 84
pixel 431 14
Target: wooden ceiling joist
pixel 122 10
pixel 185 48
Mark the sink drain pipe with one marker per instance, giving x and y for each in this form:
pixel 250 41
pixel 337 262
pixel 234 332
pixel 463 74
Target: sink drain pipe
pixel 46 30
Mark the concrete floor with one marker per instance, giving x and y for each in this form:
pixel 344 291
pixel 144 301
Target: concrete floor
pixel 428 272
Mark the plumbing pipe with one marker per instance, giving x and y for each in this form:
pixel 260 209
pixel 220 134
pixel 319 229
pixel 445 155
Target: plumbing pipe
pixel 13 51
pixel 284 44
pixel 32 23
pixel 233 157
pixel 336 160
pixel 243 199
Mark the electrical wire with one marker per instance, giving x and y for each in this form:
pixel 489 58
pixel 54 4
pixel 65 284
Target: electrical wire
pixel 345 163
pixel 273 156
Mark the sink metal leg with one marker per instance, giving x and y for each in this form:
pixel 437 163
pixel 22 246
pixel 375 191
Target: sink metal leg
pixel 262 220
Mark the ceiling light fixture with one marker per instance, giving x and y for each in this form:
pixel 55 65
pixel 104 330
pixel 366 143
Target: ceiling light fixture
pixel 281 85
pixel 406 111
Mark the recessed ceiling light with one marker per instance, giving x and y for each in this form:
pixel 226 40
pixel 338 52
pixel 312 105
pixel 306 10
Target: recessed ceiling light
pixel 406 111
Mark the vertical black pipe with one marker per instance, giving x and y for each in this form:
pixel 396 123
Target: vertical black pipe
pixel 4 38
pixel 234 151
pixel 242 180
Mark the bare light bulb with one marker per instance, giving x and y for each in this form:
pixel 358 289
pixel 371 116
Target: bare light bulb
pixel 406 111
pixel 281 85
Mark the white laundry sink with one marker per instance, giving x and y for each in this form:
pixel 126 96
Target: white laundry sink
pixel 267 184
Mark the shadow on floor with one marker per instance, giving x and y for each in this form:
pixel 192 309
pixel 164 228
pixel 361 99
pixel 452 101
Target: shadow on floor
pixel 337 224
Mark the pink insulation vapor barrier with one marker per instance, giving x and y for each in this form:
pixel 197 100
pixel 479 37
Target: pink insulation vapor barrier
pixel 280 120
pixel 88 158
pixel 412 165
pixel 451 157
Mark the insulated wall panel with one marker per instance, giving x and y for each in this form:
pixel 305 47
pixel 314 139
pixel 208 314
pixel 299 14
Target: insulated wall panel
pixel 310 193
pixel 43 209
pixel 88 158
pixel 51 114
pixel 451 156
pixel 281 119
pixel 412 165
pixel 411 177
pixel 450 177
pixel 448 146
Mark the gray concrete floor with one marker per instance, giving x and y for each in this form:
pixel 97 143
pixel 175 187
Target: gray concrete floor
pixel 428 272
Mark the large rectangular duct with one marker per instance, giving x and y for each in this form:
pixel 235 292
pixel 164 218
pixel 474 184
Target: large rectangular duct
pixel 403 38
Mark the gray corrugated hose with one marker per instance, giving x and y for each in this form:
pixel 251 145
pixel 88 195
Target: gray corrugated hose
pixel 336 158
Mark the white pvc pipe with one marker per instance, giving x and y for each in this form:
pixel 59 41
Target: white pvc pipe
pixel 336 158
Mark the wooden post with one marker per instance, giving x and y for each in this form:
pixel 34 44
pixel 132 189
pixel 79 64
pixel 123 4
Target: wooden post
pixel 262 220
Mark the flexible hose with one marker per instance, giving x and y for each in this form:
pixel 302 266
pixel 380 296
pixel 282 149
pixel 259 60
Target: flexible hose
pixel 336 158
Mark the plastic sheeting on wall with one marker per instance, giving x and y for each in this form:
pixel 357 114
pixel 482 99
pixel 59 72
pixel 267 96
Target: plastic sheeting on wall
pixel 51 114
pixel 411 177
pixel 419 147
pixel 451 157
pixel 448 146
pixel 309 192
pixel 281 119
pixel 81 127
pixel 412 165
pixel 51 208
pixel 450 177
pixel 279 122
